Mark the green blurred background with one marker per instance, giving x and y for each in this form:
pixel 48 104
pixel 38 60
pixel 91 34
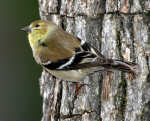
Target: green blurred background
pixel 19 85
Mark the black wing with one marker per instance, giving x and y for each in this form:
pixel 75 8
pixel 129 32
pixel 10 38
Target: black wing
pixel 74 62
pixel 88 52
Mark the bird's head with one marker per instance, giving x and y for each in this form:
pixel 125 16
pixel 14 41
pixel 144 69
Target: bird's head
pixel 38 31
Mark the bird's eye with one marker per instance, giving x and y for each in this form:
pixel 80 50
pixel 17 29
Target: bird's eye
pixel 37 25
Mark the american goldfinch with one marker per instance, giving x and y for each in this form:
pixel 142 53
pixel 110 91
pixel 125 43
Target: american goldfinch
pixel 66 56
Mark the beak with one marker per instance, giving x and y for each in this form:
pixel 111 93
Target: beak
pixel 26 29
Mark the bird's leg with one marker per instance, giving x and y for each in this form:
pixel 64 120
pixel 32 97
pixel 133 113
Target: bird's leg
pixel 78 87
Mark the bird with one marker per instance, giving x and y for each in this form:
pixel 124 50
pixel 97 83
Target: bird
pixel 66 56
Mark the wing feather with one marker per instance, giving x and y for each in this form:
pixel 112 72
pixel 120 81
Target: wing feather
pixel 82 55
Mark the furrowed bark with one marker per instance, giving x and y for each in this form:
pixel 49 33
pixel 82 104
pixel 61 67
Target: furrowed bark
pixel 120 30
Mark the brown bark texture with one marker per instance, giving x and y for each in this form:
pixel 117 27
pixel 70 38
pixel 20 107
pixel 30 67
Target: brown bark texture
pixel 120 29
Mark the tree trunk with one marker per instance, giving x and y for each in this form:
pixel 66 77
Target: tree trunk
pixel 120 30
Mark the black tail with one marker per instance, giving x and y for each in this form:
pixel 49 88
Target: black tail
pixel 129 67
pixel 119 65
pixel 107 64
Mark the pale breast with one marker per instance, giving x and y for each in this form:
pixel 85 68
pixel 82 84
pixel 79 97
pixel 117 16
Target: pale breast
pixel 73 75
